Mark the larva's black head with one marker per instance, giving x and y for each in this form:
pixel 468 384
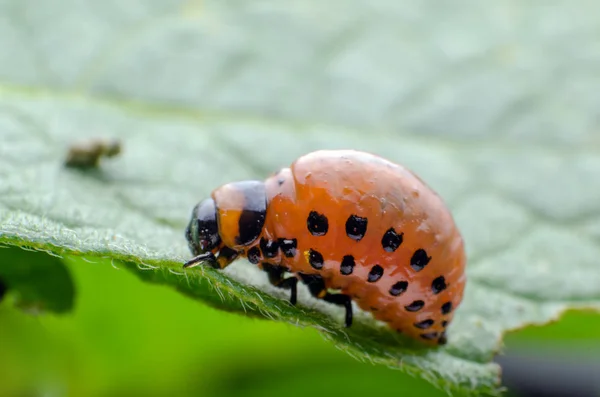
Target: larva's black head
pixel 224 225
pixel 202 233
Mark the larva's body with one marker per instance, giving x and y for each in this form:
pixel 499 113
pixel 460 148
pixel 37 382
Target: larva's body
pixel 348 221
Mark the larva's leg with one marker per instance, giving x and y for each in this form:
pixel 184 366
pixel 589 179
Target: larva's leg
pixel 316 286
pixel 276 278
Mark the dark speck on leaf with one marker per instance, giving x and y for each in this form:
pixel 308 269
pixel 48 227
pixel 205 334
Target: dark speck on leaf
pixel 87 154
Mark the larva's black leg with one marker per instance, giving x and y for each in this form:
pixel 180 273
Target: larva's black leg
pixel 292 284
pixel 342 300
pixel 316 286
pixel 275 274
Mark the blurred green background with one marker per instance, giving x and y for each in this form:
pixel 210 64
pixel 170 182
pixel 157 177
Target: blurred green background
pixel 126 337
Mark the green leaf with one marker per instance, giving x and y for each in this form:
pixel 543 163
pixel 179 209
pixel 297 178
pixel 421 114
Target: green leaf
pixel 493 106
pixel 35 281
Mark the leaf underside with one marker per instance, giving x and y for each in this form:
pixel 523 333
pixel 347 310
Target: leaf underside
pixel 472 98
pixel 36 282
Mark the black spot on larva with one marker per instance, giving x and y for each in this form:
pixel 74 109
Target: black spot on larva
pixel 375 274
pixel 438 285
pixel 443 339
pixel 288 247
pixel 374 309
pixel 250 226
pixel 315 259
pixel 228 253
pixel 415 306
pixel 252 218
pixel 356 227
pixel 317 224
pixel 269 247
pixel 419 260
pixel 398 288
pixel 446 307
pixel 429 336
pixel 444 323
pixel 280 181
pixel 254 255
pixel 424 324
pixel 391 240
pixel 347 265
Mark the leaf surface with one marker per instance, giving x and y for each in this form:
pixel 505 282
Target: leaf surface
pixel 492 105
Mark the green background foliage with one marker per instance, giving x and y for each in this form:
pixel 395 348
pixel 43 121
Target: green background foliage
pixel 491 104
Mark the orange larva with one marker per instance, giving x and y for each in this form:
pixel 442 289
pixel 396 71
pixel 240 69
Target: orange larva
pixel 343 220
